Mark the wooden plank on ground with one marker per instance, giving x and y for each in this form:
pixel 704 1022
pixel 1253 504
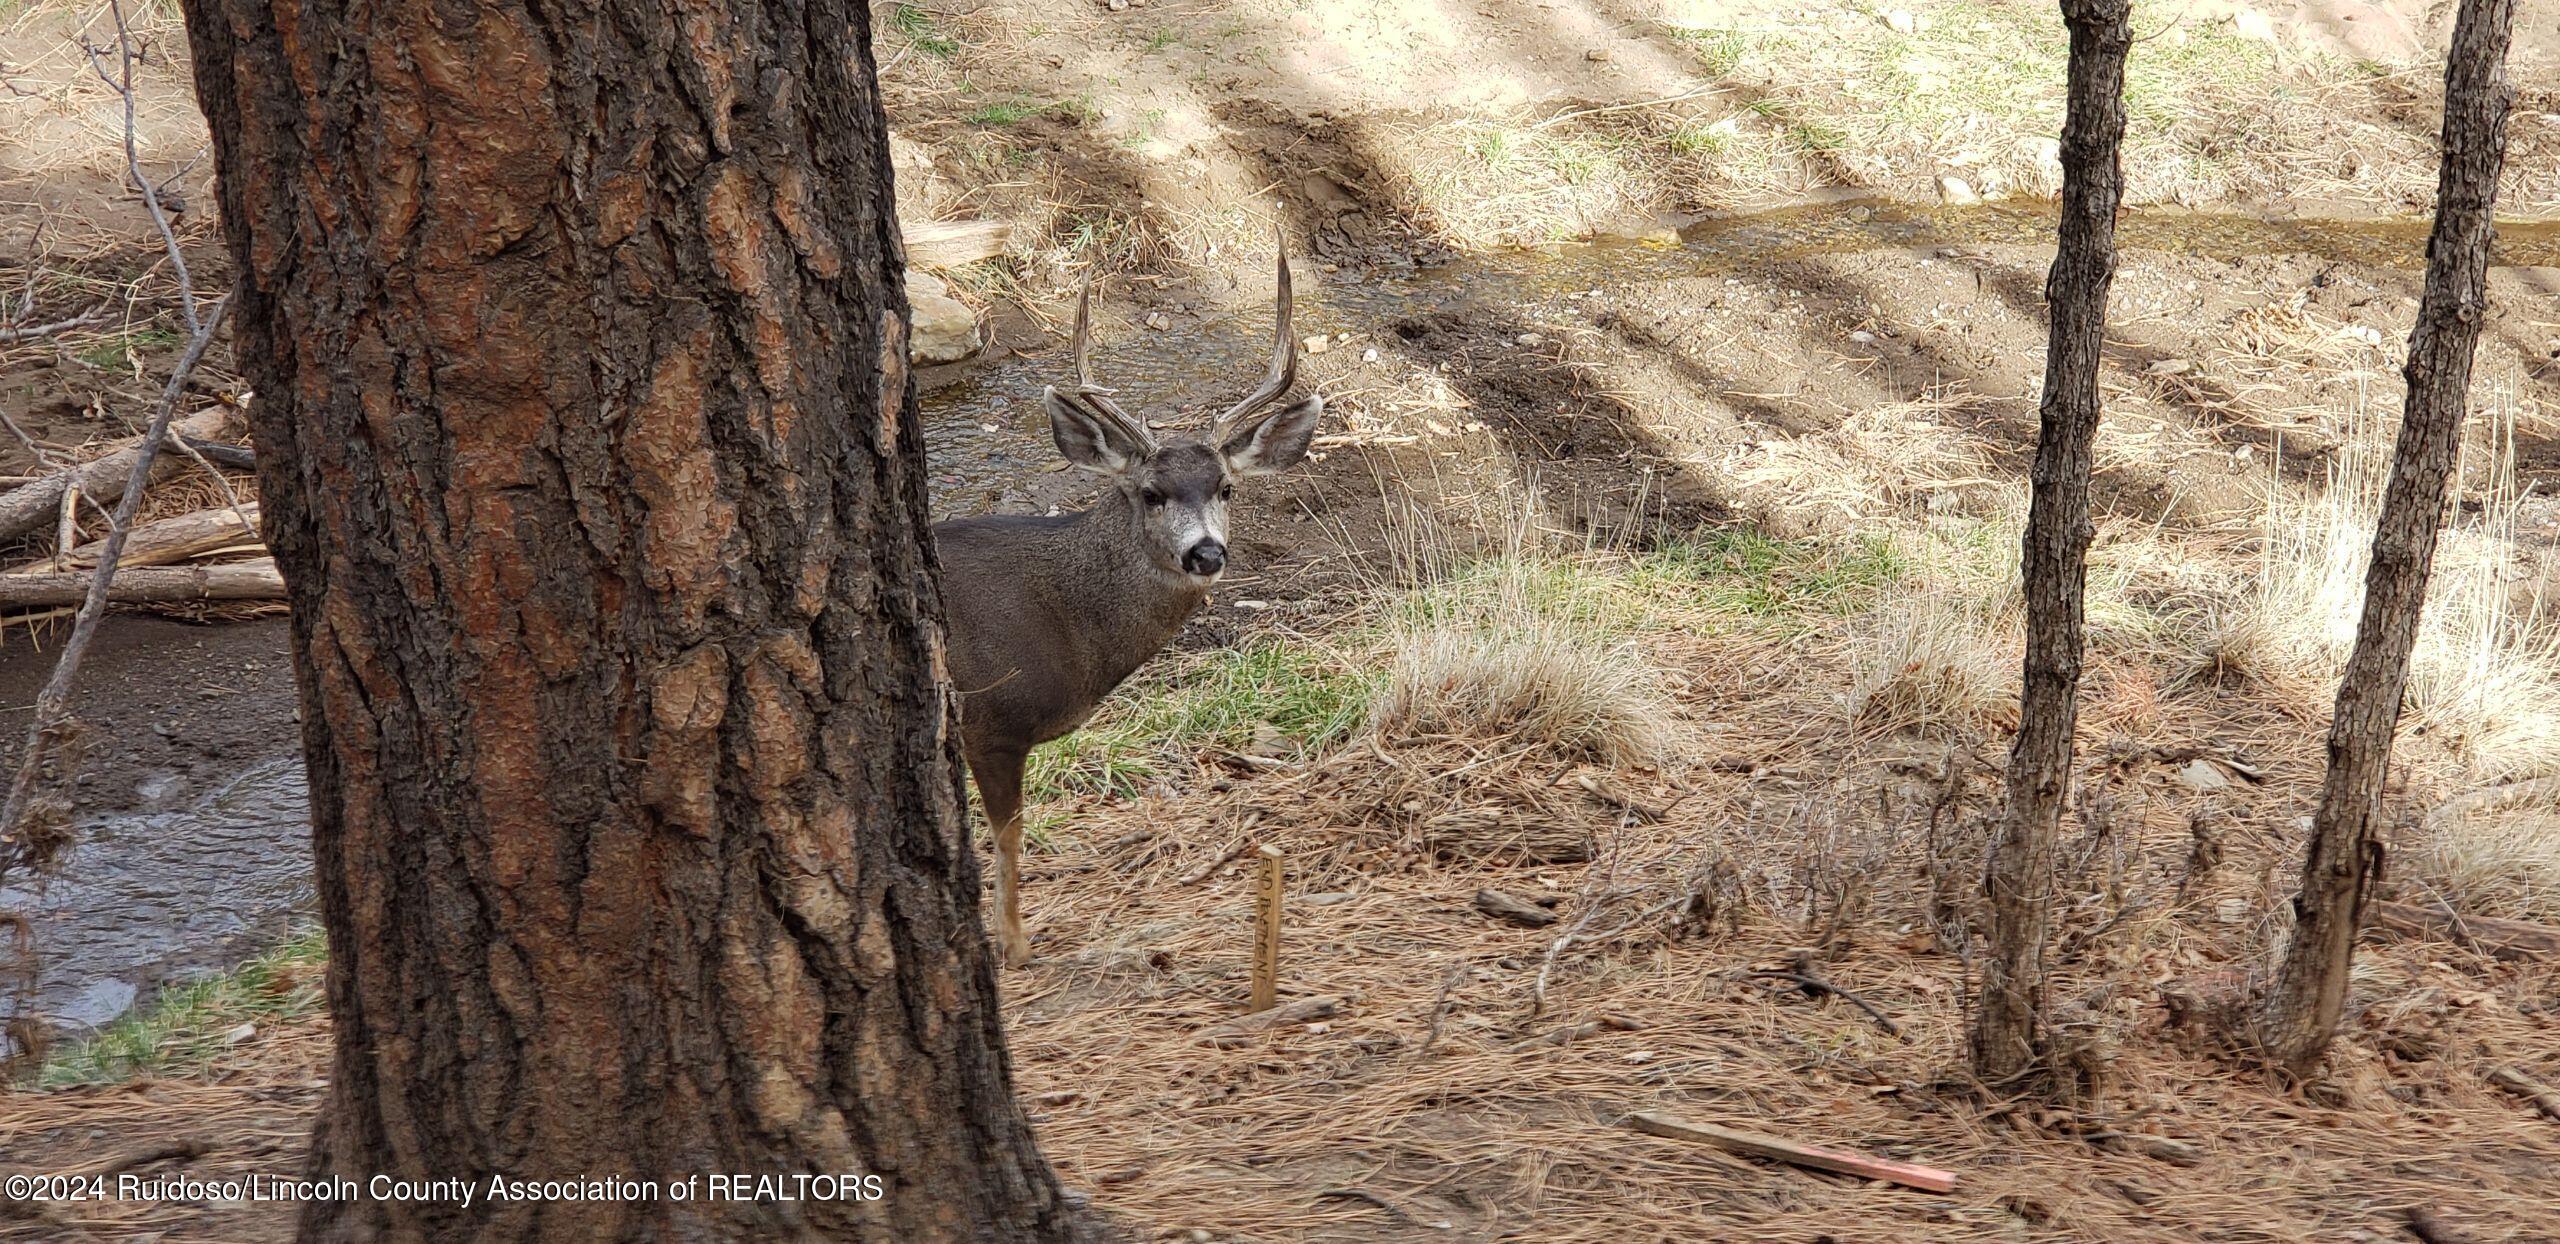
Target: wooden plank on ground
pixel 1780 1149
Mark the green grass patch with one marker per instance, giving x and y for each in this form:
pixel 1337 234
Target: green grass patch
pixel 1308 695
pixel 184 1029
pixel 108 353
pixel 1754 575
pixel 1008 112
pixel 917 27
pixel 1719 52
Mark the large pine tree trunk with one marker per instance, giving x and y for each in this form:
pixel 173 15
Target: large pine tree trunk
pixel 2301 1012
pixel 2056 547
pixel 590 456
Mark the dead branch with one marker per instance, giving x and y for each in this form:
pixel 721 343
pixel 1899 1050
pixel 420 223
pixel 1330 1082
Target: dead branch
pixel 29 507
pixel 1816 987
pixel 158 585
pixel 53 704
pixel 30 332
pixel 161 542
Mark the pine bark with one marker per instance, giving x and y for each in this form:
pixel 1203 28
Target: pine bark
pixel 2006 1037
pixel 590 457
pixel 2301 1011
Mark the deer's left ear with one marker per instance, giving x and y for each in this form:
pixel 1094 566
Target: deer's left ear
pixel 1275 442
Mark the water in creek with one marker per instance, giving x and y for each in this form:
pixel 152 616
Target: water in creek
pixel 149 894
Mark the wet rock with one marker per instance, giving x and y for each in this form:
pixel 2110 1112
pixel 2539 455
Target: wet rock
pixel 946 330
pixel 1956 191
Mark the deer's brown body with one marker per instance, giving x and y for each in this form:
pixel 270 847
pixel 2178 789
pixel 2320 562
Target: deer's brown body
pixel 1047 615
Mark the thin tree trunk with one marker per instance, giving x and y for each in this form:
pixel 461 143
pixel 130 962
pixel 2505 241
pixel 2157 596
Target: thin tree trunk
pixel 590 455
pixel 2301 1011
pixel 2006 1037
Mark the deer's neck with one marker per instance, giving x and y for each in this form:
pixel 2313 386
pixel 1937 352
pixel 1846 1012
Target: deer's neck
pixel 1115 575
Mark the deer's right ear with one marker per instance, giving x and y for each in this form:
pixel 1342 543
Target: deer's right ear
pixel 1087 441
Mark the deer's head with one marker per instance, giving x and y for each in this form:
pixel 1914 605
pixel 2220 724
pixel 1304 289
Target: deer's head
pixel 1177 489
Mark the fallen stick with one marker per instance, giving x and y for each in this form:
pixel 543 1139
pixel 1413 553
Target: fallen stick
pixel 1837 1161
pixel 2541 1096
pixel 2497 938
pixel 1815 987
pixel 1518 911
pixel 102 481
pixel 1302 1011
pixel 162 542
pixel 159 585
pixel 1574 1032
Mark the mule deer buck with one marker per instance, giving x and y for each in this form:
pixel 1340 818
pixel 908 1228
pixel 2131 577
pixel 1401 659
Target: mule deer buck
pixel 1047 615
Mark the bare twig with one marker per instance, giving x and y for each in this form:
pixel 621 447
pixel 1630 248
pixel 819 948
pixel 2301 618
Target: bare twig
pixel 53 703
pixel 121 82
pixel 32 331
pixel 1815 987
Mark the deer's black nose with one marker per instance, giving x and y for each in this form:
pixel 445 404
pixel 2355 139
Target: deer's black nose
pixel 1205 558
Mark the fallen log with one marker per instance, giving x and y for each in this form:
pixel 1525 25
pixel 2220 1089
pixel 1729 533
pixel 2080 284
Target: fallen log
pixel 2497 938
pixel 30 506
pixel 1837 1161
pixel 166 541
pixel 951 243
pixel 157 585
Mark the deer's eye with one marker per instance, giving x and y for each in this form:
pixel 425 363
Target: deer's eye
pixel 1226 492
pixel 1154 499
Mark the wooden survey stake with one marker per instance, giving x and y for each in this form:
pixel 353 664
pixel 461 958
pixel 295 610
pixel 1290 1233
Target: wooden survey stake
pixel 1266 931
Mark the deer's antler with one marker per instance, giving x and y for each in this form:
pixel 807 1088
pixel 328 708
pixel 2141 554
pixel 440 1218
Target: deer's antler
pixel 1284 363
pixel 1094 398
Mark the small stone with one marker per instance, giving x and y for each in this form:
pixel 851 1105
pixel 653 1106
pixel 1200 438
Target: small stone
pixel 1116 6
pixel 1596 54
pixel 1159 321
pixel 2252 24
pixel 945 329
pixel 1369 355
pixel 2203 775
pixel 1901 22
pixel 1531 339
pixel 1862 337
pixel 1956 191
pixel 1317 345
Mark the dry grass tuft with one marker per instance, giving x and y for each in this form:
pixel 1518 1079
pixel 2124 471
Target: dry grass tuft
pixel 2496 865
pixel 2484 681
pixel 1506 669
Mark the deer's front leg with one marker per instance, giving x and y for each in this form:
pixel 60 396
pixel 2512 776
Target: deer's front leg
pixel 1000 789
